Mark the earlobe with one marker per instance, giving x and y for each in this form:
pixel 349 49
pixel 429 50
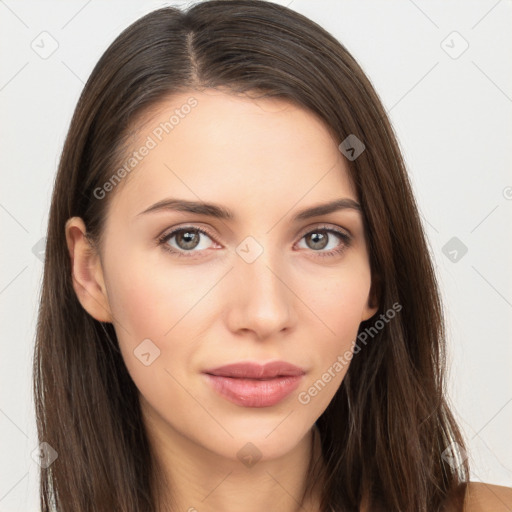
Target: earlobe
pixel 369 311
pixel 86 271
pixel 372 305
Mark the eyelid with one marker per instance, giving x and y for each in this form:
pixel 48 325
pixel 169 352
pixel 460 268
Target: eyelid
pixel 325 226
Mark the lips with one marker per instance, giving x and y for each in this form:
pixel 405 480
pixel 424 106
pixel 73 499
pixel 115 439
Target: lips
pixel 252 370
pixel 254 385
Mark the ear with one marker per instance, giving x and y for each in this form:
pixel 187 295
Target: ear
pixel 86 271
pixel 372 305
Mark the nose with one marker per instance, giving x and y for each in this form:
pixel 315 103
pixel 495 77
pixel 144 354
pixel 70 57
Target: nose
pixel 261 301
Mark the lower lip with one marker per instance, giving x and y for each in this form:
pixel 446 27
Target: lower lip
pixel 252 392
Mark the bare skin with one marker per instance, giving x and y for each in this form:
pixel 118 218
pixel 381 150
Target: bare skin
pixel 484 497
pixel 265 160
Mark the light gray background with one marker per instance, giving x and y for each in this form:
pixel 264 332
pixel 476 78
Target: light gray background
pixel 453 120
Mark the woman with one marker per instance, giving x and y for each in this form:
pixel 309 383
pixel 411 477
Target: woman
pixel 238 308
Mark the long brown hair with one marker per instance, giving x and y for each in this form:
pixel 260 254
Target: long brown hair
pixel 387 429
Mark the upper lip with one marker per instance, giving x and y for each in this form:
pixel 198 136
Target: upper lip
pixel 254 370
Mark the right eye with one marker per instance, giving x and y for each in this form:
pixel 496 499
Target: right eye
pixel 185 241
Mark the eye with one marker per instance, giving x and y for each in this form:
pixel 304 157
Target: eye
pixel 189 241
pixel 186 240
pixel 327 237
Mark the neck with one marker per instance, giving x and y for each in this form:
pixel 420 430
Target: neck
pixel 199 480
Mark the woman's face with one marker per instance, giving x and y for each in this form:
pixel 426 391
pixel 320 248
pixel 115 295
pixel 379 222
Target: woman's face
pixel 263 285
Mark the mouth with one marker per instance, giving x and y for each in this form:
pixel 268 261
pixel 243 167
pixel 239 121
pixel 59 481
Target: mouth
pixel 254 385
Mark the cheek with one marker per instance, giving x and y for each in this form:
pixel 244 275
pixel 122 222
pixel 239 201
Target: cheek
pixel 153 300
pixel 338 301
pixel 152 311
pixel 149 297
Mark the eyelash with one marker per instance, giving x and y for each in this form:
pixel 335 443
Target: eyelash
pixel 162 241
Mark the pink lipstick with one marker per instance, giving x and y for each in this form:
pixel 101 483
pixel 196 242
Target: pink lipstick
pixel 252 384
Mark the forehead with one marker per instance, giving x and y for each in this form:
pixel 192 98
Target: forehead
pixel 212 145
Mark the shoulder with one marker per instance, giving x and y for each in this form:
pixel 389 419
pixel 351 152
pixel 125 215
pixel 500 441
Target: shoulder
pixel 483 497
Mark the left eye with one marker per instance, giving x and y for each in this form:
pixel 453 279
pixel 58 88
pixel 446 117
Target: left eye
pixel 322 238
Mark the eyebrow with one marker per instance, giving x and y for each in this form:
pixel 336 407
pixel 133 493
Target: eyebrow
pixel 220 212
